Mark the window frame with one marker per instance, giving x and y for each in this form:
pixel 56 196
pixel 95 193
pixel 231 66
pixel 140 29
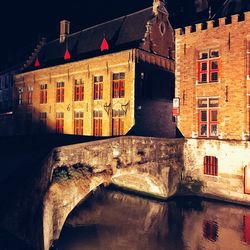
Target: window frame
pixel 118 117
pixel 209 108
pixel 210 165
pixel 97 122
pixel 118 85
pixel 60 92
pixel 98 87
pixel 248 60
pixel 43 93
pixel 20 96
pixel 30 95
pixel 209 69
pixel 78 90
pixel 60 122
pixel 78 122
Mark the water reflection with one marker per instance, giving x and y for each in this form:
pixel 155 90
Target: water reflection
pixel 111 220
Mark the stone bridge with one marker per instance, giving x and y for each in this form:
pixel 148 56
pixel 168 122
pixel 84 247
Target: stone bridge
pixel 150 166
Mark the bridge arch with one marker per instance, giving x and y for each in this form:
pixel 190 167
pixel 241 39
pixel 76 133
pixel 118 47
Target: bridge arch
pixel 146 165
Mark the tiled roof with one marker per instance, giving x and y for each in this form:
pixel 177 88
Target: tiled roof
pixel 121 33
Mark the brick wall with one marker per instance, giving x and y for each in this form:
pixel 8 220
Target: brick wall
pixel 232 86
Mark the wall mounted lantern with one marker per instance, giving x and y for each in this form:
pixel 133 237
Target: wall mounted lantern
pixel 107 107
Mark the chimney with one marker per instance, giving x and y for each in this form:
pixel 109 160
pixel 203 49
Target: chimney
pixel 157 4
pixel 64 30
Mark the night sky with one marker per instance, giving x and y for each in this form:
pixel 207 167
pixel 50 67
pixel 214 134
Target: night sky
pixel 23 22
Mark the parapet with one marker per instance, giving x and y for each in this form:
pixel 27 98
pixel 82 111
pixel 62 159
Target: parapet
pixel 210 24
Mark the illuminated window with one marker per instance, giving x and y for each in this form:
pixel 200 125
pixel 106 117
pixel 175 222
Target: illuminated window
pixel 248 60
pixel 43 93
pixel 20 96
pixel 43 122
pixel 59 92
pixel 97 124
pixel 78 122
pixel 79 90
pixel 208 117
pixel 208 66
pixel 118 85
pixel 210 230
pixel 98 87
pixel 210 165
pixel 59 122
pixel 30 94
pixel 117 122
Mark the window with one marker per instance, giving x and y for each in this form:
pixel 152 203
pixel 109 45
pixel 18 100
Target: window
pixel 59 92
pixel 97 126
pixel 208 117
pixel 59 122
pixel 43 93
pixel 117 122
pixel 246 225
pixel 20 96
pixel 30 94
pixel 98 87
pixel 118 85
pixel 78 90
pixel 43 122
pixel 210 165
pixel 78 122
pixel 208 66
pixel 248 60
pixel 210 230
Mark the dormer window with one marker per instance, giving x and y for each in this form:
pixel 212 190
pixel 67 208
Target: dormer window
pixel 37 63
pixel 104 45
pixel 67 55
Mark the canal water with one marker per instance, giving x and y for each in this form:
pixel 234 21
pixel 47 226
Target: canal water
pixel 112 220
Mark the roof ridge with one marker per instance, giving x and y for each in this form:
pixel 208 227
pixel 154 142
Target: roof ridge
pixel 112 20
pixel 99 24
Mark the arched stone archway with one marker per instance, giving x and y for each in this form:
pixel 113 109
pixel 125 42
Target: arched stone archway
pixel 60 200
pixel 147 165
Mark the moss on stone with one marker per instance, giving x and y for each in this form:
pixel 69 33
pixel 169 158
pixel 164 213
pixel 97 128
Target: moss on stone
pixel 189 185
pixel 75 171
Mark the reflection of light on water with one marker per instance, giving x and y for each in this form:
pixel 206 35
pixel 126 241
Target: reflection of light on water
pixel 210 230
pixel 112 220
pixel 246 223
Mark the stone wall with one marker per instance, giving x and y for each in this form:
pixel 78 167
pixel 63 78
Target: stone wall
pixel 147 165
pixel 233 157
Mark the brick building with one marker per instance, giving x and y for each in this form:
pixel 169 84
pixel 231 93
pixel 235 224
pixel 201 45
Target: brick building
pixel 213 78
pixel 109 79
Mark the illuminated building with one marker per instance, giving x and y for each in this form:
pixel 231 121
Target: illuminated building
pixel 109 79
pixel 213 78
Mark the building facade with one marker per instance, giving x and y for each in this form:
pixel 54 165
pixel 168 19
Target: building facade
pixel 111 79
pixel 213 78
